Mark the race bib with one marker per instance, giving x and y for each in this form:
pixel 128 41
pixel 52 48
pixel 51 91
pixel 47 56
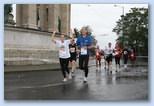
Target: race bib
pixel 83 51
pixel 125 52
pixel 72 50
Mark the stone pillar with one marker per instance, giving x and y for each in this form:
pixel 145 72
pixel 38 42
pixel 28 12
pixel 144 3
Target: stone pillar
pixel 26 15
pixel 51 17
pixel 18 15
pixel 65 18
pixel 54 13
pixel 32 16
pixel 43 17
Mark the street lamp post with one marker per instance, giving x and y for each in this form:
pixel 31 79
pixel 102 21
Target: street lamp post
pixel 122 7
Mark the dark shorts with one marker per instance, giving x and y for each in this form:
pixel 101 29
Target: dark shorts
pixel 109 58
pixel 73 57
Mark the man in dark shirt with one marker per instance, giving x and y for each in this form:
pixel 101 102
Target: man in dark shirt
pixel 125 56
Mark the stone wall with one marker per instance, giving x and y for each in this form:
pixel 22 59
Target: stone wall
pixel 28 47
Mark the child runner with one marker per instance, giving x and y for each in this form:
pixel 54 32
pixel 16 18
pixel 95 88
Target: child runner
pixel 73 53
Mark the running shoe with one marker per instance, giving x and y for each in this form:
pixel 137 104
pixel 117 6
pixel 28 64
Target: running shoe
pixel 70 76
pixel 85 80
pixel 65 79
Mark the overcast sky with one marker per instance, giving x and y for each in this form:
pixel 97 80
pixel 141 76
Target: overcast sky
pixel 101 17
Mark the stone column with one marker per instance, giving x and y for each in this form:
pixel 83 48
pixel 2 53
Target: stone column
pixel 32 16
pixel 43 17
pixel 51 17
pixel 54 13
pixel 18 15
pixel 65 18
pixel 26 15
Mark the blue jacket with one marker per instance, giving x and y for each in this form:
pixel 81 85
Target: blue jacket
pixel 84 41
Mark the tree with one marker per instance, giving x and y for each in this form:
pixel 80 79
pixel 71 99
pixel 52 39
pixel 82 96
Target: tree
pixel 134 26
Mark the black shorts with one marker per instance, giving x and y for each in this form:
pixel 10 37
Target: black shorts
pixel 109 58
pixel 73 57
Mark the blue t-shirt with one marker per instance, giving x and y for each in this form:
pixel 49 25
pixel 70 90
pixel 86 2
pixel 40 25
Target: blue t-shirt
pixel 84 42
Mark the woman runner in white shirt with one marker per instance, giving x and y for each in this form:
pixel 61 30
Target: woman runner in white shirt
pixel 64 54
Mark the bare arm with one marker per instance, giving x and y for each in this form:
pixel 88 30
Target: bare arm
pixel 52 37
pixel 91 46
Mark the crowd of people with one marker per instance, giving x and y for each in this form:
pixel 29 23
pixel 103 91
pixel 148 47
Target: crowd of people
pixel 117 53
pixel 80 47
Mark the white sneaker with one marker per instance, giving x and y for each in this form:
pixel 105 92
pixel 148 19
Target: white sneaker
pixel 125 66
pixel 85 79
pixel 65 79
pixel 70 76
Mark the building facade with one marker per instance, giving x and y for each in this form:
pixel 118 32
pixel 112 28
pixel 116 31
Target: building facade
pixel 28 42
pixel 46 17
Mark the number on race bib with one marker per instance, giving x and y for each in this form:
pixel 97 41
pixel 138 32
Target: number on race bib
pixel 83 51
pixel 72 50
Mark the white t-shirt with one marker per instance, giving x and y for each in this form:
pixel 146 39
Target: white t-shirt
pixel 109 50
pixel 63 48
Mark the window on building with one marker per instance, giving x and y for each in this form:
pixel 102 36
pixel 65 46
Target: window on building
pixel 59 24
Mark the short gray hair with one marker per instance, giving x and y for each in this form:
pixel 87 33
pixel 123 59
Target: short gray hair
pixel 86 28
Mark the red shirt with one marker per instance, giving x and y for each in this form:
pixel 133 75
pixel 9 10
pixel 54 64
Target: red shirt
pixel 98 54
pixel 117 52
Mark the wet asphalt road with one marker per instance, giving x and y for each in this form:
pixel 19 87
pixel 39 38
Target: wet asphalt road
pixel 126 85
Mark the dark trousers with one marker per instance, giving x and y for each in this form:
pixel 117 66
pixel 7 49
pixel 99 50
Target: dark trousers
pixel 117 60
pixel 64 66
pixel 125 59
pixel 83 63
pixel 98 62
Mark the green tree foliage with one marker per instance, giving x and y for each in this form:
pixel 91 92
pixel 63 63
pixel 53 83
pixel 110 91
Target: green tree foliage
pixel 134 28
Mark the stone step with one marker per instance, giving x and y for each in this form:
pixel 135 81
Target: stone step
pixel 28 61
pixel 29 56
pixel 28 53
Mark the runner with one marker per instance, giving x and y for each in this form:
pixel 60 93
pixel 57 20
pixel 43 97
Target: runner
pixel 73 53
pixel 64 55
pixel 132 56
pixel 105 56
pixel 98 57
pixel 117 55
pixel 109 56
pixel 84 43
pixel 125 56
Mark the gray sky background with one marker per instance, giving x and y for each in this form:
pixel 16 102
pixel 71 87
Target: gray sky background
pixel 101 17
